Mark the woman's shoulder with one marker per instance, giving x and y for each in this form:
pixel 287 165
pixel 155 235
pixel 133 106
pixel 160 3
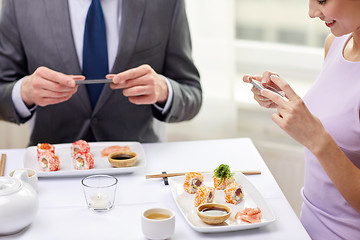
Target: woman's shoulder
pixel 328 42
pixel 338 41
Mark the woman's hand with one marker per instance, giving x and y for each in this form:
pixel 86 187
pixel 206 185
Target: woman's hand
pixel 294 117
pixel 265 80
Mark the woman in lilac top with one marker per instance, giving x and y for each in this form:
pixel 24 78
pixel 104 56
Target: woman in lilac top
pixel 327 123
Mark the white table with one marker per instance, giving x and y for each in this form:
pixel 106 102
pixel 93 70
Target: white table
pixel 63 213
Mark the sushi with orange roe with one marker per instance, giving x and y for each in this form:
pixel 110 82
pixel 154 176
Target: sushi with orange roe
pixel 79 146
pixel 222 177
pixel 193 181
pixel 204 194
pixel 233 193
pixel 221 184
pixel 48 162
pixel 83 161
pixel 44 147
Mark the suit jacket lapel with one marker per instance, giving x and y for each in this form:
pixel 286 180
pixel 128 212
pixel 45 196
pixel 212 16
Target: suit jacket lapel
pixel 59 19
pixel 132 14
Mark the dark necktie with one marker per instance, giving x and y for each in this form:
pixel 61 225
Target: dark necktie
pixel 95 55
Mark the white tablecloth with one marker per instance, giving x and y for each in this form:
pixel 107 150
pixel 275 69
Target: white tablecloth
pixel 63 213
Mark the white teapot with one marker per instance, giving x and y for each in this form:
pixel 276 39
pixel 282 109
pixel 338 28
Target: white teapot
pixel 18 203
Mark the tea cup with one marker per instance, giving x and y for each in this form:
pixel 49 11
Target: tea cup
pixel 32 176
pixel 158 223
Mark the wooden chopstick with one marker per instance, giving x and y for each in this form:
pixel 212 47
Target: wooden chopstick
pixel 181 174
pixel 2 164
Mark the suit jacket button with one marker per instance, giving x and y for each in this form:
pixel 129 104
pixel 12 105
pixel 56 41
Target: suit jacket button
pixel 94 121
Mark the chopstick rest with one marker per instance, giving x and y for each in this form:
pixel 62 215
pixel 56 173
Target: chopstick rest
pixel 166 182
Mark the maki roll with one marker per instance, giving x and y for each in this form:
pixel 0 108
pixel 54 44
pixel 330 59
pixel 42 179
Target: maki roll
pixel 48 162
pixel 220 184
pixel 233 193
pixel 204 194
pixel 44 147
pixel 83 161
pixel 79 146
pixel 222 177
pixel 193 180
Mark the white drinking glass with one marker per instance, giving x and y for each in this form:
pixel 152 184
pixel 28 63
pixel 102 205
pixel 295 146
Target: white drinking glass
pixel 99 191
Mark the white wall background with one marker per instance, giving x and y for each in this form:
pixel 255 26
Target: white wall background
pixel 212 28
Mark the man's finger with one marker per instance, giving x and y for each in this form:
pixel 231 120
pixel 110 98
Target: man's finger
pixel 55 76
pixel 132 73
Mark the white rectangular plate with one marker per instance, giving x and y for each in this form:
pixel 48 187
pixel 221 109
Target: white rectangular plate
pixel 101 166
pixel 251 199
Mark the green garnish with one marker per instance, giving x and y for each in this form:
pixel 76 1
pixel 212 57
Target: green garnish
pixel 223 172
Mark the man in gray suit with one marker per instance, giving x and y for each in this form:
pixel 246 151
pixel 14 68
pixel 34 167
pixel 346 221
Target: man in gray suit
pixel 149 53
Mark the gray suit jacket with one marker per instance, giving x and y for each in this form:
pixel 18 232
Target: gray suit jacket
pixel 38 33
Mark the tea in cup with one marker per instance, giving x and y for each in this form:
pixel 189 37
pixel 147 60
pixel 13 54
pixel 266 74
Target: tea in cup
pixel 158 223
pixel 31 173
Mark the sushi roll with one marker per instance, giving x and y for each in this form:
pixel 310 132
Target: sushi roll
pixel 204 194
pixel 193 180
pixel 83 161
pixel 220 184
pixel 48 162
pixel 44 147
pixel 79 146
pixel 233 193
pixel 222 177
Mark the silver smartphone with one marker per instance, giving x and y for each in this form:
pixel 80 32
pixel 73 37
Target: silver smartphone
pixel 260 86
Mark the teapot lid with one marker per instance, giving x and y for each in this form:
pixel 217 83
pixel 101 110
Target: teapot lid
pixel 9 185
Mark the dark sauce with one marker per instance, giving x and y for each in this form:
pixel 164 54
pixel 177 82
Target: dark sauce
pixel 214 211
pixel 122 157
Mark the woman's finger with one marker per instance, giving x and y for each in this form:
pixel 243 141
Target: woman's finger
pixel 284 86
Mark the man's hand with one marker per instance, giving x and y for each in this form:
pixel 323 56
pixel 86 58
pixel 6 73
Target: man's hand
pixel 142 85
pixel 45 87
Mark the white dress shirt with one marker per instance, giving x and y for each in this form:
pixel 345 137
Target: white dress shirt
pixel 78 10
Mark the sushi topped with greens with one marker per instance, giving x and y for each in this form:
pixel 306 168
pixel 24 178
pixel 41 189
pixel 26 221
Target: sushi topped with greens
pixel 223 177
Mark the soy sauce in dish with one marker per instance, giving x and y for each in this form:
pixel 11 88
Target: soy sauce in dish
pixel 214 211
pixel 122 157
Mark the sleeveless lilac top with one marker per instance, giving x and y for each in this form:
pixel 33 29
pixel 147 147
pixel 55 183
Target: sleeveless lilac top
pixel 335 100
